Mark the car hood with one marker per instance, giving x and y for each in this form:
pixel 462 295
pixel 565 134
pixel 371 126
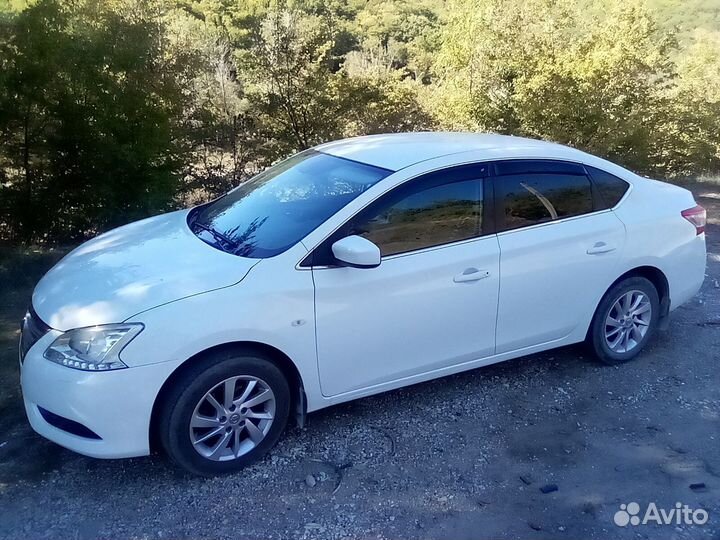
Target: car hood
pixel 132 269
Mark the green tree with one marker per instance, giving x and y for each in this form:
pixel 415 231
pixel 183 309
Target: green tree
pixel 544 68
pixel 115 109
pixel 305 96
pixel 90 108
pixel 690 138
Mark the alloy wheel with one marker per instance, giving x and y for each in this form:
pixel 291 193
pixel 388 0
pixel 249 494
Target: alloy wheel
pixel 628 321
pixel 232 418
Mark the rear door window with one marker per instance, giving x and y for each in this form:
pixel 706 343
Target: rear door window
pixel 532 192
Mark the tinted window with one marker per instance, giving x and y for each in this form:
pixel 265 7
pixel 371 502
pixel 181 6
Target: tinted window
pixel 274 210
pixel 530 197
pixel 425 217
pixel 610 187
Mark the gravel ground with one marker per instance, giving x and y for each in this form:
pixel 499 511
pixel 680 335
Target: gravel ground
pixel 467 456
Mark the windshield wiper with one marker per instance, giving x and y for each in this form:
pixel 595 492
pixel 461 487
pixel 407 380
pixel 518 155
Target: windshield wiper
pixel 231 244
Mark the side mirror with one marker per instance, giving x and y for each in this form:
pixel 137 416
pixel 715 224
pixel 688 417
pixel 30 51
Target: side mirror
pixel 356 252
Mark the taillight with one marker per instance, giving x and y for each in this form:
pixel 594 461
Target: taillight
pixel 697 216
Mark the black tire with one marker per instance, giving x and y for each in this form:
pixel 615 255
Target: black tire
pixel 596 333
pixel 188 390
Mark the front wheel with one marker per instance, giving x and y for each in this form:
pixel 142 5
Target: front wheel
pixel 625 320
pixel 224 413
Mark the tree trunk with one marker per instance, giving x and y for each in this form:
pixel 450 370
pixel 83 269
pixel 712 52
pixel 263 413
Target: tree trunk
pixel 27 214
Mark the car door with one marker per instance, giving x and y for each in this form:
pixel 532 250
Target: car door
pixel 559 250
pixel 431 302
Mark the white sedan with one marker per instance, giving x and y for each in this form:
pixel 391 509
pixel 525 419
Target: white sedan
pixel 353 268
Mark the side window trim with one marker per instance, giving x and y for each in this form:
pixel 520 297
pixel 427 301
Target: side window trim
pixel 498 209
pixel 548 223
pixel 487 218
pixel 597 200
pixel 434 248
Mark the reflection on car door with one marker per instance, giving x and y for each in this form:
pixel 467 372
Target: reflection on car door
pixel 432 301
pixel 559 250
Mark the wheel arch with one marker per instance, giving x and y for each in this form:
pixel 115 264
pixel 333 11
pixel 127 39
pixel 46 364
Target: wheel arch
pixel 272 354
pixel 655 276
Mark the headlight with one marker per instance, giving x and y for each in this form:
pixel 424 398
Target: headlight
pixel 95 348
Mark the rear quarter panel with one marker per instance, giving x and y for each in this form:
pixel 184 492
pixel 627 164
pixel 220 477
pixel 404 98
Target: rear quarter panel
pixel 658 235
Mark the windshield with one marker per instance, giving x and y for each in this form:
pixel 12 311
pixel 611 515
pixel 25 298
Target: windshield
pixel 277 208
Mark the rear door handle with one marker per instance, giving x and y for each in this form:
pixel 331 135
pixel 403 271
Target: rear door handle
pixel 471 274
pixel 600 247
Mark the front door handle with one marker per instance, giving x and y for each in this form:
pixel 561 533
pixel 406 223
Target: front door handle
pixel 471 274
pixel 600 247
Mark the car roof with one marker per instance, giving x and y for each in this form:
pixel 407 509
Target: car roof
pixel 395 151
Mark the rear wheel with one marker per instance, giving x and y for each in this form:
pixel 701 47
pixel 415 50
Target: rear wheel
pixel 625 320
pixel 225 413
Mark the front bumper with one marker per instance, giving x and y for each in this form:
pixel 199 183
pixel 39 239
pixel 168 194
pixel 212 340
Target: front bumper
pixel 115 405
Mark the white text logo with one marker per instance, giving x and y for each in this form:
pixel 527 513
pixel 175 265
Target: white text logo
pixel 681 514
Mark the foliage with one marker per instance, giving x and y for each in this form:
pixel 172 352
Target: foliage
pixel 90 109
pixel 589 82
pixel 690 136
pixel 111 110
